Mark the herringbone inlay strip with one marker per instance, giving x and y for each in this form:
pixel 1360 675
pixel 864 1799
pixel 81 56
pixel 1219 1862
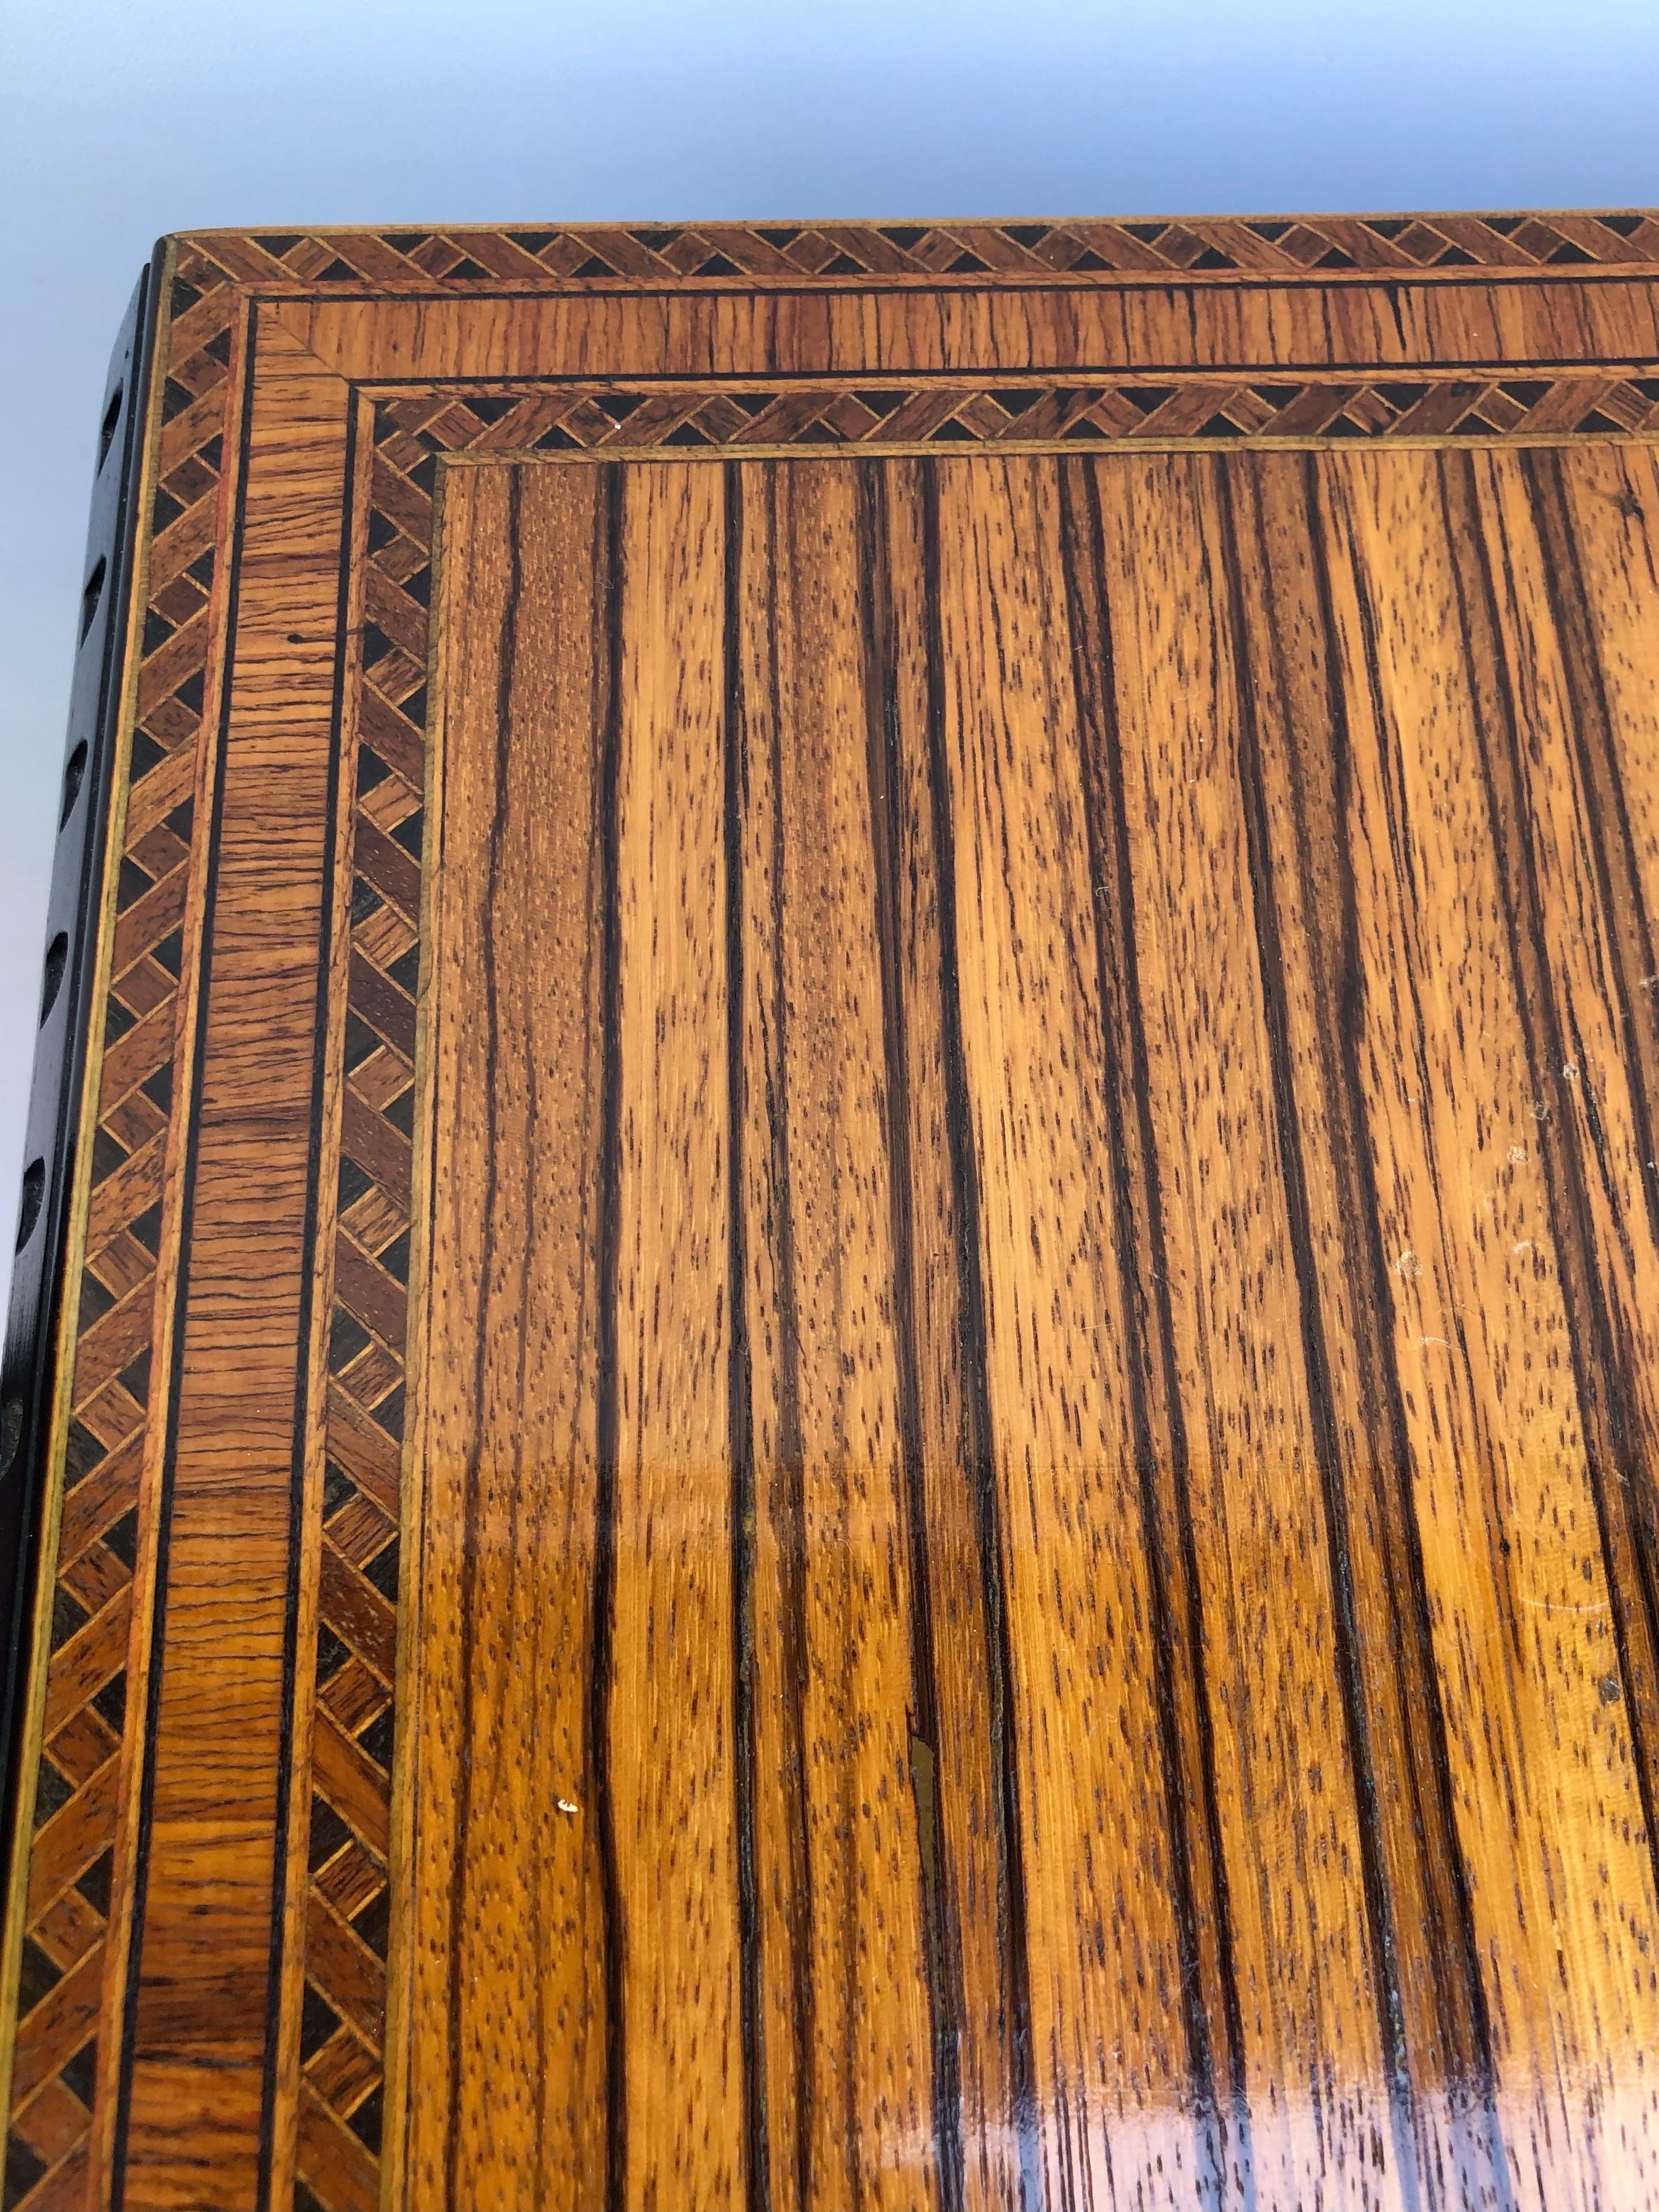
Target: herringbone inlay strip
pixel 347 1909
pixel 1123 411
pixel 86 1705
pixel 393 261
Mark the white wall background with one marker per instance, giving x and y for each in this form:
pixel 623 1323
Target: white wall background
pixel 123 121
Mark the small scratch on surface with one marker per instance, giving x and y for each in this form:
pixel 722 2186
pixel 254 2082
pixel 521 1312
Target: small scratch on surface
pixel 565 1805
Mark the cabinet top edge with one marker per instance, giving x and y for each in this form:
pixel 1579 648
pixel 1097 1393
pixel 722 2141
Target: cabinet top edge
pixel 840 254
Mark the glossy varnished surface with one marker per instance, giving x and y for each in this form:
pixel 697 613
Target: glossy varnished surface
pixel 1033 1351
pixel 863 1408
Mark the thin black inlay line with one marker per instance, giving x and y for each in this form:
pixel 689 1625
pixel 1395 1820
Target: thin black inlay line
pixel 1343 988
pixel 145 1822
pixel 302 1365
pixel 459 1885
pixel 1128 1091
pixel 1600 1355
pixel 788 1476
pixel 757 2178
pixel 943 1966
pixel 602 1681
pixel 1328 1443
pixel 1025 2118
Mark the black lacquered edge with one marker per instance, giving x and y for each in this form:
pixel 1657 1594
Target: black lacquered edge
pixel 27 1375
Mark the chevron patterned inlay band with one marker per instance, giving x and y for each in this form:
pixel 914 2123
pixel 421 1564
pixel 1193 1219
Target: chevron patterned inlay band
pixel 1123 411
pixel 347 1902
pixel 674 255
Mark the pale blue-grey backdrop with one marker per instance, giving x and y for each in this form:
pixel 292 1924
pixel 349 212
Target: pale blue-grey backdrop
pixel 125 118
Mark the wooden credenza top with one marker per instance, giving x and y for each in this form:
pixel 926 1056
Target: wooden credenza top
pixel 837 1378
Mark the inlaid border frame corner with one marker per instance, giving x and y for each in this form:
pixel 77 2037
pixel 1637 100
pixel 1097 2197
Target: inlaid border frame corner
pixel 356 1451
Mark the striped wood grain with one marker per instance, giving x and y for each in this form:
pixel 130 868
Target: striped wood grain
pixel 1136 1567
pixel 1034 1387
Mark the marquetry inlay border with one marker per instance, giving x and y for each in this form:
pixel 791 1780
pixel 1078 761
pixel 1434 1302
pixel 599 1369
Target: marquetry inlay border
pixel 623 417
pixel 678 255
pixel 412 433
pixel 90 1735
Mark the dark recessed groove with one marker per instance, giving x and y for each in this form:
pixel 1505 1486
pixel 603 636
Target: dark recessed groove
pixel 52 981
pixel 110 424
pixel 74 774
pixel 91 596
pixel 35 1189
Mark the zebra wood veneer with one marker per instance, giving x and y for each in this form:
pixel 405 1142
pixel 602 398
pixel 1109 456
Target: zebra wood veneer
pixel 835 1377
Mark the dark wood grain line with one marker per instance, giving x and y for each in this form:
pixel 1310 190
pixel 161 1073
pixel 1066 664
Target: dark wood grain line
pixel 1607 821
pixel 1173 1583
pixel 788 1474
pixel 740 1389
pixel 609 1376
pixel 1011 1902
pixel 601 891
pixel 519 1556
pixel 472 1529
pixel 1462 2014
pixel 1611 839
pixel 131 1965
pixel 882 741
pixel 1408 982
pixel 1315 1352
pixel 856 2132
pixel 1601 1352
